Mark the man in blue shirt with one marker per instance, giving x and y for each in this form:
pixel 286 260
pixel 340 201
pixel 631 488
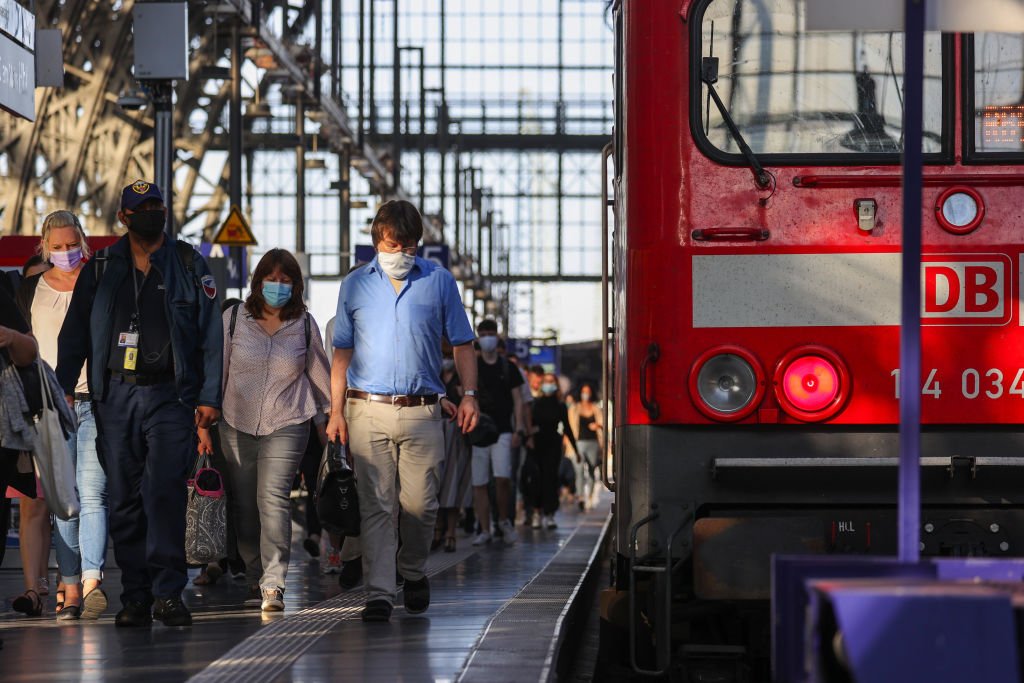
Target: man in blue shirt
pixel 387 399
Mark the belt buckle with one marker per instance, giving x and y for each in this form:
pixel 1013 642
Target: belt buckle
pixel 394 399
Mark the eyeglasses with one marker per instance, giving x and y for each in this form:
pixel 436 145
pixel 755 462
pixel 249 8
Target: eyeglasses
pixel 411 251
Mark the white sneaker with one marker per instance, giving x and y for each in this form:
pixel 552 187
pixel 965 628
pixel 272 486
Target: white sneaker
pixel 508 533
pixel 273 600
pixel 549 522
pixel 482 538
pixel 535 520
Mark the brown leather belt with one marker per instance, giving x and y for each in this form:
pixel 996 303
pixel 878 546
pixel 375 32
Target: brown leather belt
pixel 403 401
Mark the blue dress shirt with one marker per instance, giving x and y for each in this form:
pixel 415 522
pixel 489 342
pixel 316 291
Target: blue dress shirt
pixel 396 338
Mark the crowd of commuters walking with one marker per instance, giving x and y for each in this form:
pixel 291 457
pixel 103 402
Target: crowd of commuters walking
pixel 442 427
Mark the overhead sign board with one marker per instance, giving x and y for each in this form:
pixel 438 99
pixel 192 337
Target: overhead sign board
pixel 235 231
pixel 950 16
pixel 18 23
pixel 17 79
pixel 160 35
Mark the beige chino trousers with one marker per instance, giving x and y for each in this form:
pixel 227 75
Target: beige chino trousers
pixel 386 442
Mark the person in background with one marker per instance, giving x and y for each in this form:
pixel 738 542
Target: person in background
pixel 587 422
pixel 144 315
pixel 526 420
pixel 387 400
pixel 33 515
pixel 344 554
pixel 44 300
pixel 456 477
pixel 535 378
pixel 276 379
pixel 501 400
pixel 551 422
pixel 17 347
pixel 232 563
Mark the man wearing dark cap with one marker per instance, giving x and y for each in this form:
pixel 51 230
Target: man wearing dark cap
pixel 144 315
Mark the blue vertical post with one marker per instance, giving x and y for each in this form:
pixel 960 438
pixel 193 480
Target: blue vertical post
pixel 910 322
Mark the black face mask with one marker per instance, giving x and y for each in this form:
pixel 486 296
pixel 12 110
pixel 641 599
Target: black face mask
pixel 147 224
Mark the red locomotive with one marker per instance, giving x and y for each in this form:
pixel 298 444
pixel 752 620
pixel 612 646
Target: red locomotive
pixel 755 312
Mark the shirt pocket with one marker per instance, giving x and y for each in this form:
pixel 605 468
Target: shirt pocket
pixel 425 319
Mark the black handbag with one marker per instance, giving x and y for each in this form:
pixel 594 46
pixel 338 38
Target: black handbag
pixel 337 503
pixel 485 433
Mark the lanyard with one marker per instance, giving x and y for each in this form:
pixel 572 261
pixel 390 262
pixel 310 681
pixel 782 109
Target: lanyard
pixel 133 325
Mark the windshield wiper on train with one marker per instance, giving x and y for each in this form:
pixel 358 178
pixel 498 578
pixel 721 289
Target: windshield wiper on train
pixel 709 76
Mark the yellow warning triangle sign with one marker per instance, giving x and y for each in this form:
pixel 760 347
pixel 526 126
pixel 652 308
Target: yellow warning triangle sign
pixel 235 231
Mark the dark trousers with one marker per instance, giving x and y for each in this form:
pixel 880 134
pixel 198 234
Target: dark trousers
pixel 310 468
pixel 549 457
pixel 147 446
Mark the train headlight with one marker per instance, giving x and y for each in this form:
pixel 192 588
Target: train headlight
pixel 959 210
pixel 726 383
pixel 811 383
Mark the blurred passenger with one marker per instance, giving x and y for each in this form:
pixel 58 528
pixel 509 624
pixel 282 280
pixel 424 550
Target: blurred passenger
pixel 551 422
pixel 587 422
pixel 232 563
pixel 18 348
pixel 526 424
pixel 386 388
pixel 44 300
pixel 501 400
pixel 535 377
pixel 456 474
pixel 276 380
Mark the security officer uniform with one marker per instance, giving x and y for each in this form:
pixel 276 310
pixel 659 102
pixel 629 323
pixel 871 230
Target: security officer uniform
pixel 153 342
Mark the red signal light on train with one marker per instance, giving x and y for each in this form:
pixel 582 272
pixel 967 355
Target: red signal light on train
pixel 811 383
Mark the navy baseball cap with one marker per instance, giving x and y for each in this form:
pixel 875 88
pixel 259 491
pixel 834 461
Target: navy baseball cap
pixel 138 192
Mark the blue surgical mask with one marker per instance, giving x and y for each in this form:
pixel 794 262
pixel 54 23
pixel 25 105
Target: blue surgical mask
pixel 549 389
pixel 277 294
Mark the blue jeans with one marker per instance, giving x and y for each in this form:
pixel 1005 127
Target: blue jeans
pixel 82 542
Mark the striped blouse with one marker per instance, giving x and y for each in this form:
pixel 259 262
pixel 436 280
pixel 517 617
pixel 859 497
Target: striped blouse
pixel 273 381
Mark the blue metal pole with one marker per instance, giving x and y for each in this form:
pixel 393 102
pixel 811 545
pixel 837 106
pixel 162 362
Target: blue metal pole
pixel 910 330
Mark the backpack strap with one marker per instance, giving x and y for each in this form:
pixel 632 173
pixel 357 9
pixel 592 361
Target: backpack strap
pixel 101 257
pixel 234 317
pixel 308 331
pixel 187 254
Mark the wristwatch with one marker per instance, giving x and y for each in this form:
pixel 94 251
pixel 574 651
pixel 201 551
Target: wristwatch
pixel 469 392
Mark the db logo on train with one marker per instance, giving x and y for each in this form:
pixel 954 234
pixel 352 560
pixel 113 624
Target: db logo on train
pixel 966 289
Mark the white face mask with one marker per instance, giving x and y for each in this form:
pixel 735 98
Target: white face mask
pixel 396 265
pixel 488 344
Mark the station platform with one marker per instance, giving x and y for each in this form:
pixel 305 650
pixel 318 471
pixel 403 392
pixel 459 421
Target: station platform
pixel 497 613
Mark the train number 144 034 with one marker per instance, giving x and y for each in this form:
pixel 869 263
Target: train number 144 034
pixel 991 383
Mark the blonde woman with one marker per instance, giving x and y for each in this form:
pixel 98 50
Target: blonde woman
pixel 81 542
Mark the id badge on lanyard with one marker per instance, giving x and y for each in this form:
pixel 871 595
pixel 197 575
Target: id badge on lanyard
pixel 129 341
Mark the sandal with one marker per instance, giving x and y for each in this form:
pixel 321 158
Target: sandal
pixel 60 599
pixel 94 603
pixel 28 603
pixel 449 544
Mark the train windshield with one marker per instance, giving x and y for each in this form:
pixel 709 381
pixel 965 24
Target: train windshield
pixel 793 91
pixel 998 92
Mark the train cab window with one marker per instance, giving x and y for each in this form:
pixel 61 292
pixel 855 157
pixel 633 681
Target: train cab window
pixel 998 94
pixel 793 92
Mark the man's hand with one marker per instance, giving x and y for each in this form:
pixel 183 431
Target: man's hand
pixel 206 416
pixel 516 441
pixel 469 414
pixel 337 428
pixel 449 408
pixel 205 441
pixel 70 401
pixel 529 442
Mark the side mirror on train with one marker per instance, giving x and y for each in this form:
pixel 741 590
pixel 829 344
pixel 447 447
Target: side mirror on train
pixel 709 70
